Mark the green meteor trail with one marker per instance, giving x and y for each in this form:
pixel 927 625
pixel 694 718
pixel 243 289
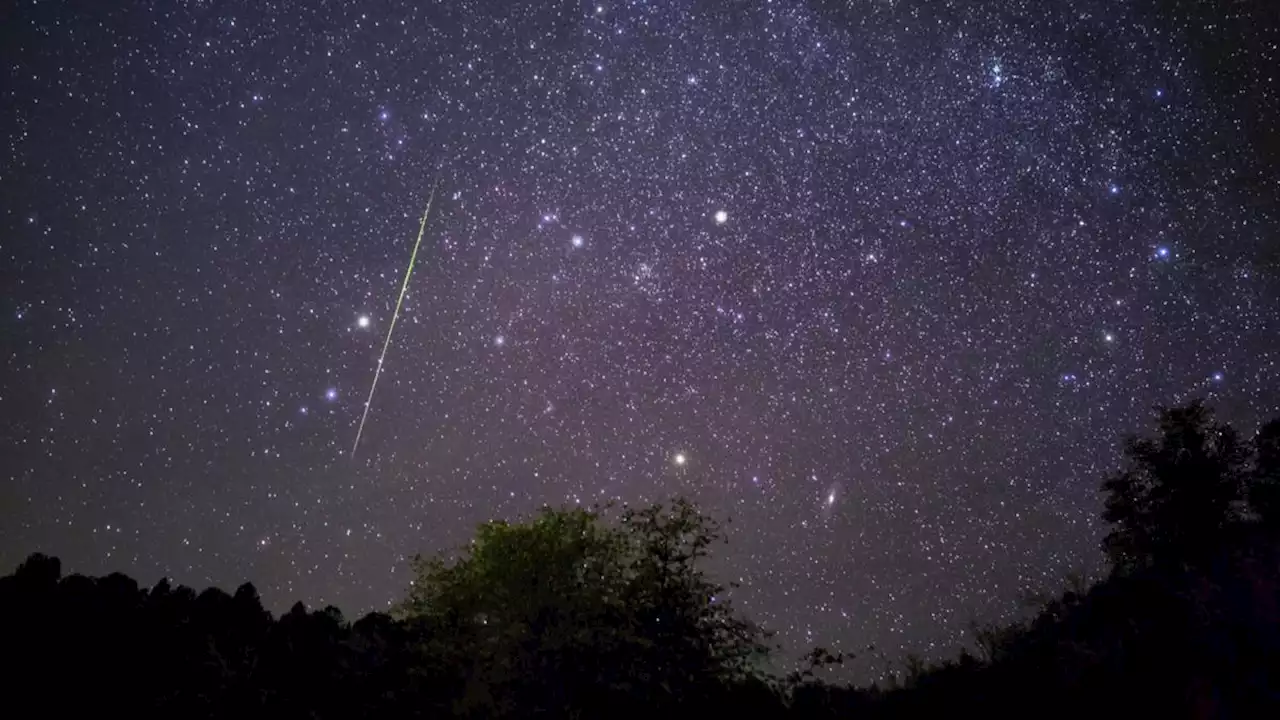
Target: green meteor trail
pixel 404 288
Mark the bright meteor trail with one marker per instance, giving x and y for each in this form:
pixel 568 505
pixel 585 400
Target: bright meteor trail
pixel 404 287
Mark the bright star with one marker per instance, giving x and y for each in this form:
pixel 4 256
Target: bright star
pixel 722 217
pixel 1109 337
pixel 576 240
pixel 997 75
pixel 331 394
pixel 499 340
pixel 1162 252
pixel 680 459
pixel 363 321
pixel 1217 377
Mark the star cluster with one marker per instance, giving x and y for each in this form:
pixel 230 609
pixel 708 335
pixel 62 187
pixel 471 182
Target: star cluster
pixel 880 281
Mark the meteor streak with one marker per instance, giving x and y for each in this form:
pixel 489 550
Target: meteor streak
pixel 404 287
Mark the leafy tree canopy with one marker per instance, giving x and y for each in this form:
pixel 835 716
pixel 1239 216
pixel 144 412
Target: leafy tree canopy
pixel 1182 492
pixel 570 605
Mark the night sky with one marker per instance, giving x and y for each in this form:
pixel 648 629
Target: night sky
pixel 882 282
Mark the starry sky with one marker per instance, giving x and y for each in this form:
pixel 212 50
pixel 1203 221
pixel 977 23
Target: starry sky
pixel 883 282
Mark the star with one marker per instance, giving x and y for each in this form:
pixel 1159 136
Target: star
pixel 331 394
pixel 499 340
pixel 680 458
pixel 576 241
pixel 997 75
pixel 362 321
pixel 722 217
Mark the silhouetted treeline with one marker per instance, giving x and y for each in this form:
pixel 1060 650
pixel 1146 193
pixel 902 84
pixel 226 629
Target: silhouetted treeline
pixel 573 615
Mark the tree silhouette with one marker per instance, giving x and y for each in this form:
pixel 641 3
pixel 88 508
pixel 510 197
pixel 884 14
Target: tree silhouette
pixel 1264 493
pixel 579 613
pixel 1181 494
pixel 569 614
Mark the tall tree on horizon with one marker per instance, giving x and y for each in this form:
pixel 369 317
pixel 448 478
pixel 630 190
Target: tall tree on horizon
pixel 1180 494
pixel 1264 490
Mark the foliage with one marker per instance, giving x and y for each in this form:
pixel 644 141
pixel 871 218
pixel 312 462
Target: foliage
pixel 569 614
pixel 1264 494
pixel 573 615
pixel 1182 492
